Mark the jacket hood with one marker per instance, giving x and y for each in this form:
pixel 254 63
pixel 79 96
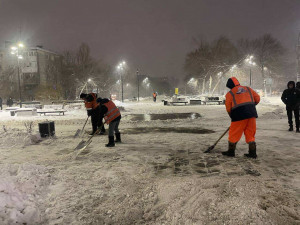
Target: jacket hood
pixel 83 95
pixel 232 82
pixel 298 84
pixel 290 82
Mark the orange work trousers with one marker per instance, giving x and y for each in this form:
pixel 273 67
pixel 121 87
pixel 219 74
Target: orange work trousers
pixel 247 126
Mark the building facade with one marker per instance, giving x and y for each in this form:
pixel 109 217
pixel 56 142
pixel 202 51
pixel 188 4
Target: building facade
pixel 38 68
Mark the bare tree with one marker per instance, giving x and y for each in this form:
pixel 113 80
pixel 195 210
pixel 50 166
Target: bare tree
pixel 209 59
pixel 8 85
pixel 79 66
pixel 268 52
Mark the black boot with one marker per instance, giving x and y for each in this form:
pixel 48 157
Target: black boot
pixel 297 130
pixel 252 150
pixel 291 128
pixel 92 133
pixel 111 142
pixel 231 150
pixel 118 137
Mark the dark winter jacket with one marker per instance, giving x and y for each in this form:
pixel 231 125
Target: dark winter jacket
pixel 291 96
pixel 240 101
pixel 103 108
pixel 9 102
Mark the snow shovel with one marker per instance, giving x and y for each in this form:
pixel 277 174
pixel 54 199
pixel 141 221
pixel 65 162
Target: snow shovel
pixel 79 132
pixel 214 145
pixel 83 144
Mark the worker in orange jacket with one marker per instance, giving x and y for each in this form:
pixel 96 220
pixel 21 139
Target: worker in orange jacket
pixel 154 96
pixel 112 116
pixel 93 110
pixel 240 104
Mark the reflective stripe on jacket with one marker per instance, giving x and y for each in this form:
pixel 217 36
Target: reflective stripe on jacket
pixel 112 112
pixel 240 103
pixel 92 104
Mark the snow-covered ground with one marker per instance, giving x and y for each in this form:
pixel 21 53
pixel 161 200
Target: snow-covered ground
pixel 156 176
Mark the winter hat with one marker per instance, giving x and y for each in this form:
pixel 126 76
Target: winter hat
pixel 232 82
pixel 83 95
pixel 298 84
pixel 291 82
pixel 89 98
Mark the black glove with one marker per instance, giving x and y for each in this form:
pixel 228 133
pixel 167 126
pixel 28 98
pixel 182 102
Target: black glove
pixel 89 112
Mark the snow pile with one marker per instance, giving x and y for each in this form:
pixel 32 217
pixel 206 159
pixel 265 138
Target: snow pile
pixel 15 137
pixel 21 188
pixel 276 114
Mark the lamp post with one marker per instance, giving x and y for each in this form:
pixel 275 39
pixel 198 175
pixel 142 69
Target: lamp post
pixel 16 50
pixel 120 68
pixel 138 84
pixel 85 86
pixel 250 61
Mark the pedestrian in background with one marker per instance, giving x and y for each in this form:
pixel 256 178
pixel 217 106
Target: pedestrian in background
pixel 1 103
pixel 154 96
pixel 291 98
pixel 9 102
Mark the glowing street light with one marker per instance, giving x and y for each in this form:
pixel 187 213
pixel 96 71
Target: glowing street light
pixel 233 67
pixel 250 61
pixel 145 80
pixel 120 68
pixel 16 50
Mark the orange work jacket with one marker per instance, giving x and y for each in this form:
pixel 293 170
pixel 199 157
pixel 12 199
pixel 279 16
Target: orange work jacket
pixel 112 112
pixel 92 104
pixel 240 103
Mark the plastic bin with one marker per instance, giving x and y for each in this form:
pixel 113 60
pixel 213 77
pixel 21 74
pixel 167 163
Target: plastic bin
pixel 47 129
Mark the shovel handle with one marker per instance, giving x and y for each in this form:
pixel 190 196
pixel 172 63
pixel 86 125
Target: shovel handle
pixel 221 136
pixel 213 146
pixel 96 132
pixel 85 123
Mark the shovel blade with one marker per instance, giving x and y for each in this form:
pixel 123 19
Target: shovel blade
pixel 77 133
pixel 80 145
pixel 209 149
pixel 83 147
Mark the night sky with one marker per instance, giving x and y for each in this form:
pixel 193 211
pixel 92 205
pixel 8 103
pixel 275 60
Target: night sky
pixel 152 35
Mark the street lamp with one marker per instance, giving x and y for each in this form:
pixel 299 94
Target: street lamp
pixel 85 85
pixel 16 50
pixel 250 61
pixel 120 68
